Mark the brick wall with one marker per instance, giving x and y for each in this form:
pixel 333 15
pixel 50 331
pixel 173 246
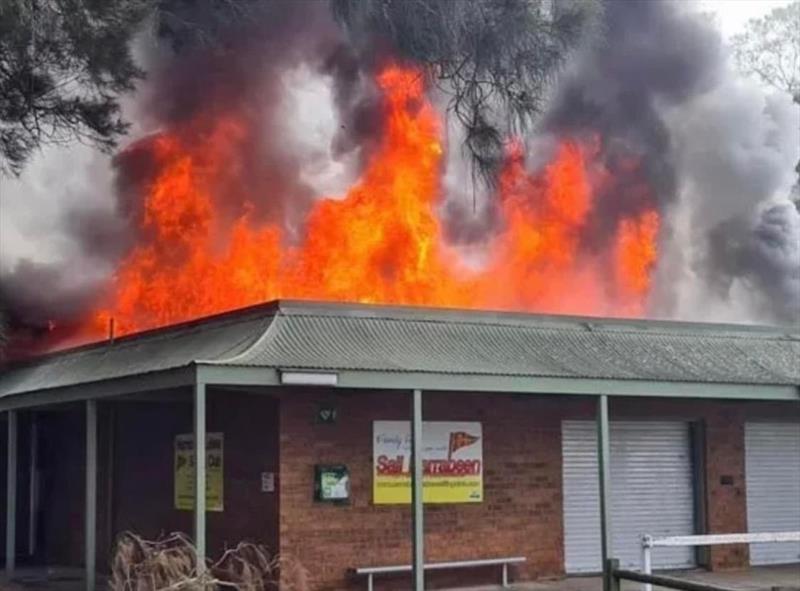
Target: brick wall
pixel 144 468
pixel 521 513
pixel 726 498
pixel 136 474
pixel 523 506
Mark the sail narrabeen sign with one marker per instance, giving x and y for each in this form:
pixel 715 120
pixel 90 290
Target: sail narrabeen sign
pixel 452 462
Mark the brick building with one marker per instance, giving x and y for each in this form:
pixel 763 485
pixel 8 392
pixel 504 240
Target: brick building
pixel 704 437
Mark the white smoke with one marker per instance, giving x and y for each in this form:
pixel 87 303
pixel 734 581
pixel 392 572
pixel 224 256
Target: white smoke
pixel 735 254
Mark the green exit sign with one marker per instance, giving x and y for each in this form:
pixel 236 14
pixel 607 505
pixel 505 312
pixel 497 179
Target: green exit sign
pixel 326 414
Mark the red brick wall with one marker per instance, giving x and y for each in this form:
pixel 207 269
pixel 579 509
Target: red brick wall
pixel 140 490
pixel 522 510
pixel 144 468
pixel 521 513
pixel 726 503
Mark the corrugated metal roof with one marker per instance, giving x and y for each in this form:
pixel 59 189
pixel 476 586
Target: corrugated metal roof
pixel 312 336
pixel 152 351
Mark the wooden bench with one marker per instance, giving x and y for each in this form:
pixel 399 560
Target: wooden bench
pixel 371 571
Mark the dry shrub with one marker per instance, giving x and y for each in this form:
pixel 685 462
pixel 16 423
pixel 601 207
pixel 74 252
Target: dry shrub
pixel 168 564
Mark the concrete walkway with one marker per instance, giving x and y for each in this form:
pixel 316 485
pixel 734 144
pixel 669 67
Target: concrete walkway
pixel 753 579
pixel 786 578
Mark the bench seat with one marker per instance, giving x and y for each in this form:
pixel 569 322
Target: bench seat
pixel 371 571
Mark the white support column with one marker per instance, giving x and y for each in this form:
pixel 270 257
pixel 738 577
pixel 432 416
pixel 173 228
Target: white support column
pixel 604 469
pixel 647 567
pixel 91 495
pixel 11 495
pixel 418 539
pixel 200 474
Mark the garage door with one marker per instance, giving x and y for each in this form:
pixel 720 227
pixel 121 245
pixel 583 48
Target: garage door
pixel 651 489
pixel 772 464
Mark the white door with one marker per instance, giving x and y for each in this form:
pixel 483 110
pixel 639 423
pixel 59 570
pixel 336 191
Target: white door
pixel 772 464
pixel 651 492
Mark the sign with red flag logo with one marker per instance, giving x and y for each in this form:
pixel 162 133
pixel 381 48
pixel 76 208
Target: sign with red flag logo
pixel 452 462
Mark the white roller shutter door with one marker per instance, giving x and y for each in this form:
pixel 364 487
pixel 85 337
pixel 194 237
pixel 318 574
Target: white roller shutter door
pixel 651 489
pixel 772 464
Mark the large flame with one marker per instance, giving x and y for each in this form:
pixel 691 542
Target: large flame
pixel 383 241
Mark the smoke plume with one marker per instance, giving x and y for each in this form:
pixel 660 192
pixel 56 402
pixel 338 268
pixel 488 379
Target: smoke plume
pixel 717 152
pixel 713 152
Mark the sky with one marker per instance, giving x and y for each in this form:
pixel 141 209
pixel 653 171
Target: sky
pixel 732 15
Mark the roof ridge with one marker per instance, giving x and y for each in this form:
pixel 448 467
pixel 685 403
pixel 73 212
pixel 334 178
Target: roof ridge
pixel 582 324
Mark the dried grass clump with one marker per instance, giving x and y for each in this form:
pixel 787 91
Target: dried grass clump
pixel 168 564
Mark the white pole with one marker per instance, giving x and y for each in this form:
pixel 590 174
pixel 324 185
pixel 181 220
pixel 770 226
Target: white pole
pixel 418 538
pixel 604 475
pixel 646 561
pixel 200 475
pixel 11 495
pixel 91 494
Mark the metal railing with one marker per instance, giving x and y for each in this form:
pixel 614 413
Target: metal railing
pixel 650 542
pixel 616 575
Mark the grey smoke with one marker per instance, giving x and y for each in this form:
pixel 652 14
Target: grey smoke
pixel 653 54
pixel 735 151
pixel 71 217
pixel 717 152
pixel 715 149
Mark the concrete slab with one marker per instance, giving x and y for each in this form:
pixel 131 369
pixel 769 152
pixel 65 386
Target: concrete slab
pixel 753 579
pixel 785 577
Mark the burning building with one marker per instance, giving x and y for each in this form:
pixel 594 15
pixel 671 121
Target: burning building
pixel 292 396
pixel 642 193
pixel 305 409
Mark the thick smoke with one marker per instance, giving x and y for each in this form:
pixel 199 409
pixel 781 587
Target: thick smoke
pixel 715 155
pixel 651 55
pixel 740 235
pixel 281 68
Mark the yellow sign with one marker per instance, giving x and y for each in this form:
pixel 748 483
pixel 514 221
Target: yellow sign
pixel 452 462
pixel 184 472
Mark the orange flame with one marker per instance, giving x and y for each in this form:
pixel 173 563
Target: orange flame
pixel 382 242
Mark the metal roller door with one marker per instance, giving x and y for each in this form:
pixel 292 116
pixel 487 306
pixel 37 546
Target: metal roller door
pixel 651 489
pixel 772 464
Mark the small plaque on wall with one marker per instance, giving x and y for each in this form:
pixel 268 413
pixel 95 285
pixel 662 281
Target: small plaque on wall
pixel 326 414
pixel 268 482
pixel 331 484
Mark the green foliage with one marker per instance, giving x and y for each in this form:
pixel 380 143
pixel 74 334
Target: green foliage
pixel 493 59
pixel 769 49
pixel 63 65
pixel 192 24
